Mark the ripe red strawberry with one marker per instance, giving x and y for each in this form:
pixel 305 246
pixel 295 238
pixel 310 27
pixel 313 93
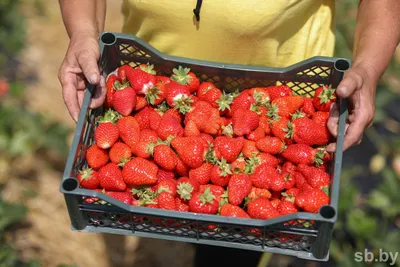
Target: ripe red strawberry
pixel 278 91
pixel 265 124
pixel 323 98
pixel 174 113
pixel 164 175
pixel 185 77
pixel 303 154
pixel 110 178
pixel 206 118
pixel 321 117
pixel 315 177
pixel 207 138
pixel 191 150
pixel 258 192
pixel 275 202
pixel 201 174
pixel 261 95
pixel 181 205
pixel 221 173
pixel 289 167
pixel 277 184
pixel 166 201
pixel 300 180
pixel 209 93
pixel 163 79
pixel 154 120
pixel 165 157
pixel 88 179
pixel 291 194
pixel 143 149
pixel 168 185
pixel 257 134
pixel 169 126
pixel 141 103
pixel 119 152
pixel 107 133
pixel 239 165
pixel 308 107
pixel 218 191
pixel 288 178
pixel 140 80
pixel 181 168
pixel 111 79
pixel 204 202
pixel 286 106
pixel 96 157
pixel 269 144
pixel 238 188
pixel 264 175
pixel 225 102
pixel 249 149
pixel 286 208
pixel 243 101
pixel 186 187
pixel 279 129
pixel 191 129
pixel 261 208
pixel 129 130
pixel 233 211
pixel 157 93
pixel 305 131
pixel 311 200
pixel 228 147
pixel 140 171
pixel 124 98
pixel 124 197
pixel 244 121
pixel 264 158
pixel 178 97
pixel 143 118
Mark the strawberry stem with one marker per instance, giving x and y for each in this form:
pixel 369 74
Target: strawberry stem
pixel 185 191
pixel 207 196
pixel 181 75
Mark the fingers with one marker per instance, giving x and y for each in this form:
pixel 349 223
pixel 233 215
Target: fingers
pixel 99 94
pixel 69 89
pixel 333 121
pixel 354 134
pixel 351 82
pixel 87 60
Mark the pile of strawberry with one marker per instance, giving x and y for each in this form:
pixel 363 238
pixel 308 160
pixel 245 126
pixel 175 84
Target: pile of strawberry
pixel 176 143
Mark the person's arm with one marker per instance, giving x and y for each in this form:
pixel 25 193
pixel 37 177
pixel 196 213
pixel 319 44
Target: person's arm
pixel 376 37
pixel 84 21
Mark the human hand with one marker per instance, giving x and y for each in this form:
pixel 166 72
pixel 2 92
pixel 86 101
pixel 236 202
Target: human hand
pixel 358 85
pixel 80 66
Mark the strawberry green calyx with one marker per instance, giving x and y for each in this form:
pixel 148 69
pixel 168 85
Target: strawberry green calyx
pixel 110 116
pixel 224 167
pixel 225 101
pixel 145 195
pixel 298 115
pixel 325 189
pixel 183 104
pixel 181 75
pixel 224 200
pixel 288 197
pixel 210 155
pixel 207 196
pixel 123 162
pixel 227 130
pixel 86 173
pixel 185 190
pixel 319 158
pixel 152 94
pixel 120 86
pixel 163 189
pixel 258 96
pixel 162 108
pixel 251 164
pixel 148 68
pixel 289 130
pixel 272 112
pixel 327 95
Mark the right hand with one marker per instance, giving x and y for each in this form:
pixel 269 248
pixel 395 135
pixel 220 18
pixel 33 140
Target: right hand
pixel 79 67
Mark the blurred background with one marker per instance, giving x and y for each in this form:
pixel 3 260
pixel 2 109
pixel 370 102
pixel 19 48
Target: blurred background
pixel 36 130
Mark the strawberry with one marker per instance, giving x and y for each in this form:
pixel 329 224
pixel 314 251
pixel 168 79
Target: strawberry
pixel 181 168
pixel 88 178
pixel 191 129
pixel 260 159
pixel 204 202
pixel 238 188
pixel 207 138
pixel 221 173
pixel 119 152
pixel 168 185
pixel 323 98
pixel 305 131
pixel 290 195
pixel 169 126
pixel 96 157
pixel 244 121
pixel 279 129
pixel 263 176
pixel 143 118
pixel 206 118
pixel 243 101
pixel 286 106
pixel 110 178
pixel 239 165
pixel 303 154
pixel 261 95
pixel 124 197
pixel 300 180
pixel 308 107
pixel 311 200
pixel 209 93
pixel 233 211
pixel 277 184
pixel 315 177
pixel 154 120
pixel 225 102
pixel 111 79
pixel 141 103
pixel 228 147
pixel 175 114
pixel 186 187
pixel 265 124
pixel 186 78
pixel 191 150
pixel 271 145
pixel 321 117
pixel 129 130
pixel 124 98
pixel 275 202
pixel 178 97
pixel 140 171
pixel 122 73
pixel 140 80
pixel 288 178
pixel 278 91
pixel 164 175
pixel 289 167
pixel 143 149
pixel 181 205
pixel 257 134
pixel 163 79
pixel 165 157
pixel 218 191
pixel 286 208
pixel 107 133
pixel 166 201
pixel 156 94
pixel 249 149
pixel 258 192
pixel 261 208
pixel 201 174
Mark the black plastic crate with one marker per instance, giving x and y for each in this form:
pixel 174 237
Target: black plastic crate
pixel 307 235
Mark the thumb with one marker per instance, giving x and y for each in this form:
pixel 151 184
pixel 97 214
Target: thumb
pixel 351 82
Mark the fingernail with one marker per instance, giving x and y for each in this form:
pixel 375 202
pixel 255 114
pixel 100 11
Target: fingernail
pixel 93 79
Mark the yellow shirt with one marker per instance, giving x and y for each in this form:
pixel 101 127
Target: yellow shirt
pixel 274 33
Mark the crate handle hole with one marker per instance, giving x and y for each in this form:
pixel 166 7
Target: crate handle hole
pixel 342 65
pixel 70 184
pixel 108 38
pixel 327 212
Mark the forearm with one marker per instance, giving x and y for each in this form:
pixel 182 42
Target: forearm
pixel 83 16
pixel 377 34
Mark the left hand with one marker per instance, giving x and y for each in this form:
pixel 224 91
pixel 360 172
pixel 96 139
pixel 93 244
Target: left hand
pixel 358 85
